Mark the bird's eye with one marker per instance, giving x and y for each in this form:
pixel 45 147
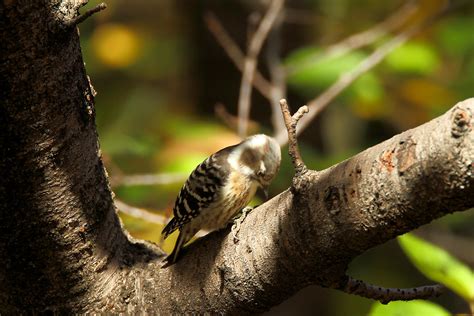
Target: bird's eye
pixel 260 173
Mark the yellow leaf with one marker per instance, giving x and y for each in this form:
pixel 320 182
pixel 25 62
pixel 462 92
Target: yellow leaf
pixel 116 45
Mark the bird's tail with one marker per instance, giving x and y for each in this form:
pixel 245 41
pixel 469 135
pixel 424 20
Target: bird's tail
pixel 169 228
pixel 177 247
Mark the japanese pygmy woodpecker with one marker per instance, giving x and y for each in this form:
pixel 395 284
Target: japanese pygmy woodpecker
pixel 221 186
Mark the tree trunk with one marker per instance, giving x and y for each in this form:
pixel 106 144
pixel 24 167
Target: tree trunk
pixel 62 246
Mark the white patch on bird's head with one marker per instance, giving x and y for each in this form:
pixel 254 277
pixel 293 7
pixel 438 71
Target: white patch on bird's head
pixel 234 160
pixel 257 141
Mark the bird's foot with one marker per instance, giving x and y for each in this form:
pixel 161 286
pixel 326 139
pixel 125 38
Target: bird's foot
pixel 237 220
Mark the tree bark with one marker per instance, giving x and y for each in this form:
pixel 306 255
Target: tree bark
pixel 62 246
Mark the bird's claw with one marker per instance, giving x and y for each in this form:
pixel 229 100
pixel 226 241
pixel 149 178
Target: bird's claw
pixel 238 220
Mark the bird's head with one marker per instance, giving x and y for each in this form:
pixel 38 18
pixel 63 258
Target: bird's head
pixel 259 158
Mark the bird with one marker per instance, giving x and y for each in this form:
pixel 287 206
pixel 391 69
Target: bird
pixel 221 186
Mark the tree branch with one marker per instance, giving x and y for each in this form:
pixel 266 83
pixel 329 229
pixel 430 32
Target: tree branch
pixel 140 213
pixel 386 295
pixel 147 179
pixel 277 74
pixel 291 123
pixel 235 54
pixel 250 63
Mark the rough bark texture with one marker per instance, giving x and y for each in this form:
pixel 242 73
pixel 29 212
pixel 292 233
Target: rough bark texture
pixel 62 247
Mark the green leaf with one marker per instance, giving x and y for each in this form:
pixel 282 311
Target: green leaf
pixel 413 57
pixel 456 36
pixel 368 88
pixel 412 308
pixel 438 265
pixel 313 70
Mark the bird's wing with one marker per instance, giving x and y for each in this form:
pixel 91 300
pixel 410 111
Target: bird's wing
pixel 200 190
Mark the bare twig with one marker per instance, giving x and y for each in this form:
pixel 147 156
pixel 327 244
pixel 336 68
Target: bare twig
pixel 148 179
pixel 148 216
pixel 235 54
pixel 363 38
pixel 386 295
pixel 291 122
pixel 277 74
pixel 140 213
pixel 250 63
pixel 81 18
pixel 318 104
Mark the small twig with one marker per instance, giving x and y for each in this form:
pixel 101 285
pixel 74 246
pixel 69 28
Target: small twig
pixel 250 63
pixel 291 122
pixel 81 18
pixel 148 179
pixel 140 213
pixel 235 54
pixel 386 295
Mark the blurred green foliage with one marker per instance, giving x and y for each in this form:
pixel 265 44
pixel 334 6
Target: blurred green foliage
pixel 414 58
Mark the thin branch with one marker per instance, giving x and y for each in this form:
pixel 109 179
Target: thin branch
pixel 291 122
pixel 140 213
pixel 277 74
pixel 345 80
pixel 231 120
pixel 386 295
pixel 148 216
pixel 364 38
pixel 81 18
pixel 235 54
pixel 250 63
pixel 148 179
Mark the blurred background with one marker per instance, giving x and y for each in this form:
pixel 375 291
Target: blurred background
pixel 160 72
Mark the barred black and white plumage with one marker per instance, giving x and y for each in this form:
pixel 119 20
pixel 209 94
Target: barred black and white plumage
pixel 221 186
